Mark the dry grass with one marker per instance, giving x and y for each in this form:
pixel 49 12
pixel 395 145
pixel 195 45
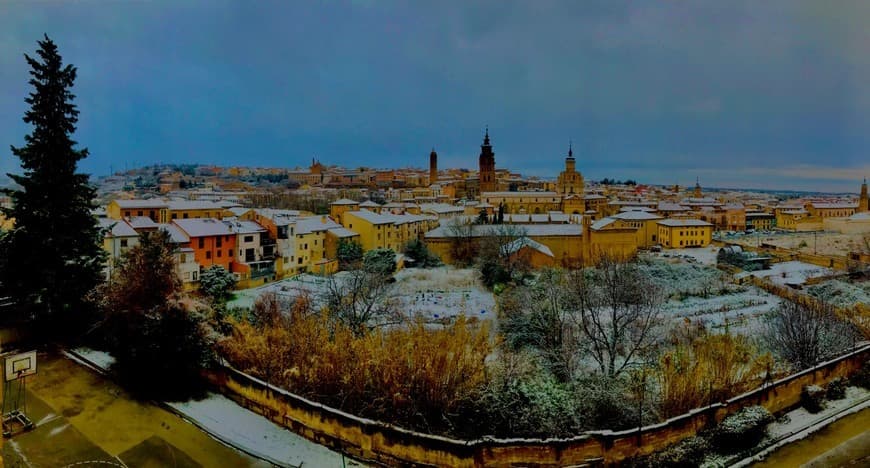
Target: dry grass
pixel 703 368
pixel 411 376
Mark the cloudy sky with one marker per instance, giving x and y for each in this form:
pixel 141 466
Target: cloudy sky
pixel 772 94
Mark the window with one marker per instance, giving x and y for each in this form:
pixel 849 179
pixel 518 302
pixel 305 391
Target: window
pixel 184 259
pixel 208 255
pixel 123 242
pixel 219 253
pixel 300 260
pixel 201 243
pixel 184 216
pixel 220 241
pixel 194 275
pixel 230 253
pixel 187 275
pixel 139 213
pixel 249 238
pixel 174 215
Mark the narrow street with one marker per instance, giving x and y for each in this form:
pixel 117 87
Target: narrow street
pixel 84 419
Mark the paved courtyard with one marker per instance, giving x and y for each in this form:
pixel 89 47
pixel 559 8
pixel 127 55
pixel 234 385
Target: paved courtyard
pixel 83 419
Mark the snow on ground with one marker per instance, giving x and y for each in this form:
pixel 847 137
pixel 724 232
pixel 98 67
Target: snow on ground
pixel 702 255
pixel 434 294
pixel 441 293
pixel 799 418
pixel 102 359
pixel 239 427
pixel 792 272
pixel 255 434
pixel 743 311
pixel 841 293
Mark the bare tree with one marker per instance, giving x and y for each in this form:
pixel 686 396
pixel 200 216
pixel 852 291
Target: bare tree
pixel 617 309
pixel 539 315
pixel 804 334
pixel 359 299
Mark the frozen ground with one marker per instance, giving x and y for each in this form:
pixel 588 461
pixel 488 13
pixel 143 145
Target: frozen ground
pixel 792 272
pixel 434 294
pixel 442 293
pixel 702 255
pixel 255 434
pixel 742 311
pixel 241 428
pixel 823 243
pixel 841 293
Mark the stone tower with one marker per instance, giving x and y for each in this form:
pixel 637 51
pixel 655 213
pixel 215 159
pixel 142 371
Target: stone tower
pixel 570 181
pixel 864 202
pixel 698 193
pixel 433 167
pixel 487 165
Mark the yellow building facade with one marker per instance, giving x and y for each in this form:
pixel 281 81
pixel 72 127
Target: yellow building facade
pixel 681 233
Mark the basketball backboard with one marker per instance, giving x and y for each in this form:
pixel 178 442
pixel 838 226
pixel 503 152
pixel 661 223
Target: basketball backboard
pixel 19 365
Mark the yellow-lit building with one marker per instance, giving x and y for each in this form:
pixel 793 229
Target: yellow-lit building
pixel 387 231
pixel 162 211
pixel 681 233
pixel 524 202
pixel 646 224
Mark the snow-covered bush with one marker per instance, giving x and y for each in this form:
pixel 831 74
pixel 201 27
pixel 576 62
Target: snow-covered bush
pixel 841 293
pixel 836 389
pixel 741 430
pixel 684 279
pixel 688 453
pixel 813 398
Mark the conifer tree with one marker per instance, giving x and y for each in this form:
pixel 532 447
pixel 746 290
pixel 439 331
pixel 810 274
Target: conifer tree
pixel 53 256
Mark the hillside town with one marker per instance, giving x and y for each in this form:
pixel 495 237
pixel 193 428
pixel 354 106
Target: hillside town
pixel 245 220
pixel 287 272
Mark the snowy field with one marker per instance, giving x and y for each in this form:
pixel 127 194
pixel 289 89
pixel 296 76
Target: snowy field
pixel 823 243
pixel 442 293
pixel 435 294
pixel 702 255
pixel 792 272
pixel 741 311
pixel 841 293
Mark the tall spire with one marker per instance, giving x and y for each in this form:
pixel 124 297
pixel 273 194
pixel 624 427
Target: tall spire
pixel 570 149
pixel 486 136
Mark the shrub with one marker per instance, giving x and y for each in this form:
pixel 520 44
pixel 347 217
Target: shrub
pixel 741 430
pixel 813 398
pixel 416 250
pixel 688 453
pixel 217 282
pixel 862 377
pixel 380 261
pixel 836 389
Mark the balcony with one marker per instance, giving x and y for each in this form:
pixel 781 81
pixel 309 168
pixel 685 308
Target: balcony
pixel 261 269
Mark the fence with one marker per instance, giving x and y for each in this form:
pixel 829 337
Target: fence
pixel 383 443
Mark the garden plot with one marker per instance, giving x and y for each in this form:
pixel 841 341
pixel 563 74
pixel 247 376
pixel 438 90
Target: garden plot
pixel 796 273
pixel 841 293
pixel 704 256
pixel 741 311
pixel 441 294
pixel 434 294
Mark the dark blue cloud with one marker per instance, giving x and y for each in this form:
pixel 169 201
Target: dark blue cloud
pixel 657 91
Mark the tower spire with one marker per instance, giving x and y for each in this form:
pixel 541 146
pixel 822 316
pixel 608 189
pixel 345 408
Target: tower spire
pixel 570 149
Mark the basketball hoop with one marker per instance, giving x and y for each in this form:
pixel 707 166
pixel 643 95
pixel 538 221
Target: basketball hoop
pixel 16 369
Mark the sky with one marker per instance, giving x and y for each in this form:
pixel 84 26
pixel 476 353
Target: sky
pixel 752 94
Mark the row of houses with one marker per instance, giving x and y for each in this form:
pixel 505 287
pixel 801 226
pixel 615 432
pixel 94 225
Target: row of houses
pixel 257 245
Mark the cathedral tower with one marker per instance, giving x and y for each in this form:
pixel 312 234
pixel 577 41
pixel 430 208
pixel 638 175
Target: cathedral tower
pixel 863 202
pixel 487 165
pixel 698 193
pixel 433 167
pixel 570 181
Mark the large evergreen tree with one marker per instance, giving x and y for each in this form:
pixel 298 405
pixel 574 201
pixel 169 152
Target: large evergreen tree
pixel 53 256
